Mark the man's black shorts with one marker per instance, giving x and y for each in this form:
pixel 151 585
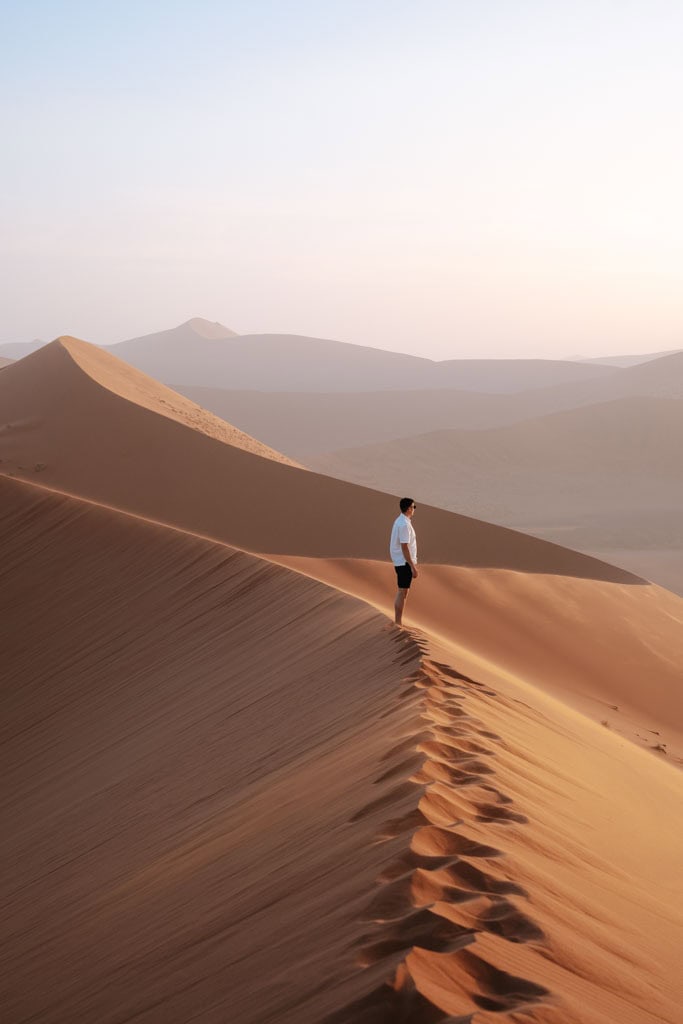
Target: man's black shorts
pixel 405 576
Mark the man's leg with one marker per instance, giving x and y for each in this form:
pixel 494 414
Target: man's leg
pixel 399 605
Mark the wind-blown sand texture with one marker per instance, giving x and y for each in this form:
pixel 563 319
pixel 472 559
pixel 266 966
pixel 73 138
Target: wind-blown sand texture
pixel 234 791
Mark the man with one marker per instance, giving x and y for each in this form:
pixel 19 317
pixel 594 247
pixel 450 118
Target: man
pixel 403 551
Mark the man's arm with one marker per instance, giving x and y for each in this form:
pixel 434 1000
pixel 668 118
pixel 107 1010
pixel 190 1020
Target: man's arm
pixel 406 554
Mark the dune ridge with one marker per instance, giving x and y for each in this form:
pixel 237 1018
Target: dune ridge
pixel 433 828
pixel 566 623
pixel 122 460
pixel 184 735
pixel 484 903
pixel 58 383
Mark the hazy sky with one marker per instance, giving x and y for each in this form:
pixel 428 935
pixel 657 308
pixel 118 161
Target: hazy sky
pixel 457 178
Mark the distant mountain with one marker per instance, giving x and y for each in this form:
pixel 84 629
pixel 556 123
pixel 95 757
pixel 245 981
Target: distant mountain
pixel 201 353
pixel 170 343
pixel 290 362
pixel 185 335
pixel 304 424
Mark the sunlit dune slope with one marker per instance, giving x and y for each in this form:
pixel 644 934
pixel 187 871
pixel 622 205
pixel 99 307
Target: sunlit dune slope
pixel 612 650
pixel 557 619
pixel 232 793
pixel 55 386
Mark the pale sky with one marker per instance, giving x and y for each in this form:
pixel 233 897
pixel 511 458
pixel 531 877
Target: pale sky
pixel 462 178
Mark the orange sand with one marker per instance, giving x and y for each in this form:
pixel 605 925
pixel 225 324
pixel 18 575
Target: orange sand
pixel 234 791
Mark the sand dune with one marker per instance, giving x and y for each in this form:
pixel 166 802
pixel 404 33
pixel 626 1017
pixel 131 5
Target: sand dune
pixel 304 424
pixel 187 733
pixel 201 353
pixel 177 339
pixel 290 362
pixel 231 792
pixel 174 342
pixel 568 623
pixel 5 362
pixel 91 426
pixel 600 477
pixel 69 384
pixel 661 378
pixel 234 791
pixel 627 360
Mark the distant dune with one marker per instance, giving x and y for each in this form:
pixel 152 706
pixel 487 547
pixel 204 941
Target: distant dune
pixel 596 478
pixel 174 341
pixel 104 446
pixel 201 353
pixel 234 791
pixel 5 362
pixel 627 360
pixel 660 378
pixel 289 362
pixel 304 424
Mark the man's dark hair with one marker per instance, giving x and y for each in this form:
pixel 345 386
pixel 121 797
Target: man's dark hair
pixel 405 504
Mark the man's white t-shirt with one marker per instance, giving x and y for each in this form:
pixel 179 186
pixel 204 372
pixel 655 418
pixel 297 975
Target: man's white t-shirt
pixel 402 532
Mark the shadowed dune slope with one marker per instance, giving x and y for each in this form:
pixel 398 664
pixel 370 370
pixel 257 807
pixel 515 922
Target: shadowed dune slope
pixel 617 458
pixel 602 479
pixel 186 733
pixel 86 422
pixel 305 423
pixel 232 793
pixel 72 377
pixel 638 432
pixel 309 425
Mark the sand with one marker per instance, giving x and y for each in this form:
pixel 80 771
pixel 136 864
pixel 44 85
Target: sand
pixel 233 790
pixel 596 478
